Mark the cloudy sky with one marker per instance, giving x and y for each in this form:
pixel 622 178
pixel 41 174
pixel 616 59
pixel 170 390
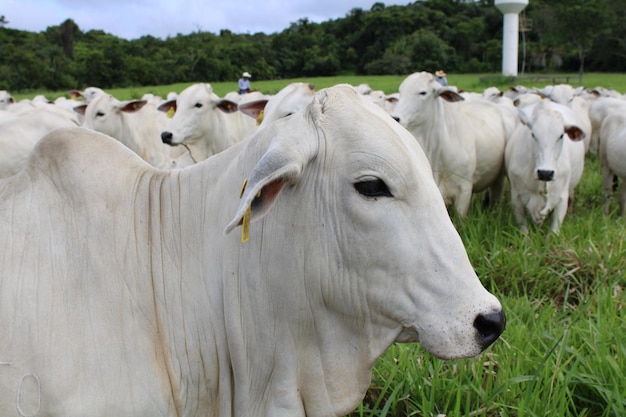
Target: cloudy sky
pixel 131 19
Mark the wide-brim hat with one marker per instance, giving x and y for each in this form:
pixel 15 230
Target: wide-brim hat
pixel 440 73
pixel 247 74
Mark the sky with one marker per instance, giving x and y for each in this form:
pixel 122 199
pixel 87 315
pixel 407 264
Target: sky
pixel 132 19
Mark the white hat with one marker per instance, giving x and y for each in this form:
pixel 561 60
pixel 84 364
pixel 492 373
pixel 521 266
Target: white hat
pixel 247 74
pixel 440 73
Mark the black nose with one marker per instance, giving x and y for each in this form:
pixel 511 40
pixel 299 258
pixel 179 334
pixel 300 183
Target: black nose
pixel 166 137
pixel 545 175
pixel 490 327
pixel 396 118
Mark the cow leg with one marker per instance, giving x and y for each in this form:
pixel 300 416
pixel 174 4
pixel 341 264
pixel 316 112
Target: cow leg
pixel 494 193
pixel 463 200
pixel 607 187
pixel 558 215
pixel 622 198
pixel 519 212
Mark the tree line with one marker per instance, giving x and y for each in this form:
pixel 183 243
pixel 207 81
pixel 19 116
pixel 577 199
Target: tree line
pixel 455 35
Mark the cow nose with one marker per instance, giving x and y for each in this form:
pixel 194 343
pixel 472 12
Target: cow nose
pixel 490 327
pixel 166 137
pixel 545 175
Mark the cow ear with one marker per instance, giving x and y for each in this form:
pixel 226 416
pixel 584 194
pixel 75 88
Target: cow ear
pixel 449 95
pixel 80 109
pixel 227 106
pixel 168 106
pixel 253 108
pixel 282 164
pixel 132 106
pixel 574 133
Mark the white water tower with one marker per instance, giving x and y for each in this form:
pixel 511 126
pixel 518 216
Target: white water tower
pixel 510 34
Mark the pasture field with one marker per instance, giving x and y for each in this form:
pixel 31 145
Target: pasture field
pixel 387 83
pixel 563 353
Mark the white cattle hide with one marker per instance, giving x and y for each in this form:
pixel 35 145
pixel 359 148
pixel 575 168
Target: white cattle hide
pixel 544 162
pixel 612 155
pixel 598 110
pixel 19 135
pixel 122 295
pixel 204 123
pixel 464 140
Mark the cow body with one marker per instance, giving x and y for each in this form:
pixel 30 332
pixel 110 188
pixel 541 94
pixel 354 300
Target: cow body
pixel 612 155
pixel 464 141
pixel 122 295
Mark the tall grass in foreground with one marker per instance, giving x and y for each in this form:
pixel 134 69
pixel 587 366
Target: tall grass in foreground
pixel 563 352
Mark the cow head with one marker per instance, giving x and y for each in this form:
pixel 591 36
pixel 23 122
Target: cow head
pixel 379 249
pixel 548 131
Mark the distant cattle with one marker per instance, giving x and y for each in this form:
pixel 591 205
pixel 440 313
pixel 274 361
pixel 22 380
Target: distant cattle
pixel 126 291
pixel 5 99
pixel 612 155
pixel 135 123
pixel 544 163
pixel 290 99
pixel 204 123
pixel 464 140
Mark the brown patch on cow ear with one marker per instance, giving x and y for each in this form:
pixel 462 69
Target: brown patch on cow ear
pixel 574 133
pixel 168 106
pixel 451 96
pixel 80 109
pixel 227 106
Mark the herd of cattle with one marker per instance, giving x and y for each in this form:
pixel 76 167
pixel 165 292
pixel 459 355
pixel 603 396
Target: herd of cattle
pixel 537 138
pixel 124 292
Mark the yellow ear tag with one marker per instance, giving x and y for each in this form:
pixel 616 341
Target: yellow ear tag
pixel 245 223
pixel 259 118
pixel 170 112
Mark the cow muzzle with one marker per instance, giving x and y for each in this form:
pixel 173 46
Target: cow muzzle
pixel 166 137
pixel 489 327
pixel 545 175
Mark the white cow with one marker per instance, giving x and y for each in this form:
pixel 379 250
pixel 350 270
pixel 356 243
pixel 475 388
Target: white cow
pixel 122 295
pixel 464 140
pixel 506 105
pixel 612 155
pixel 5 99
pixel 135 123
pixel 88 94
pixel 544 162
pixel 290 99
pixel 599 109
pixel 19 135
pixel 204 123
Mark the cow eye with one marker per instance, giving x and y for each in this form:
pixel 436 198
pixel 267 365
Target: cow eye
pixel 198 105
pixel 99 114
pixel 373 188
